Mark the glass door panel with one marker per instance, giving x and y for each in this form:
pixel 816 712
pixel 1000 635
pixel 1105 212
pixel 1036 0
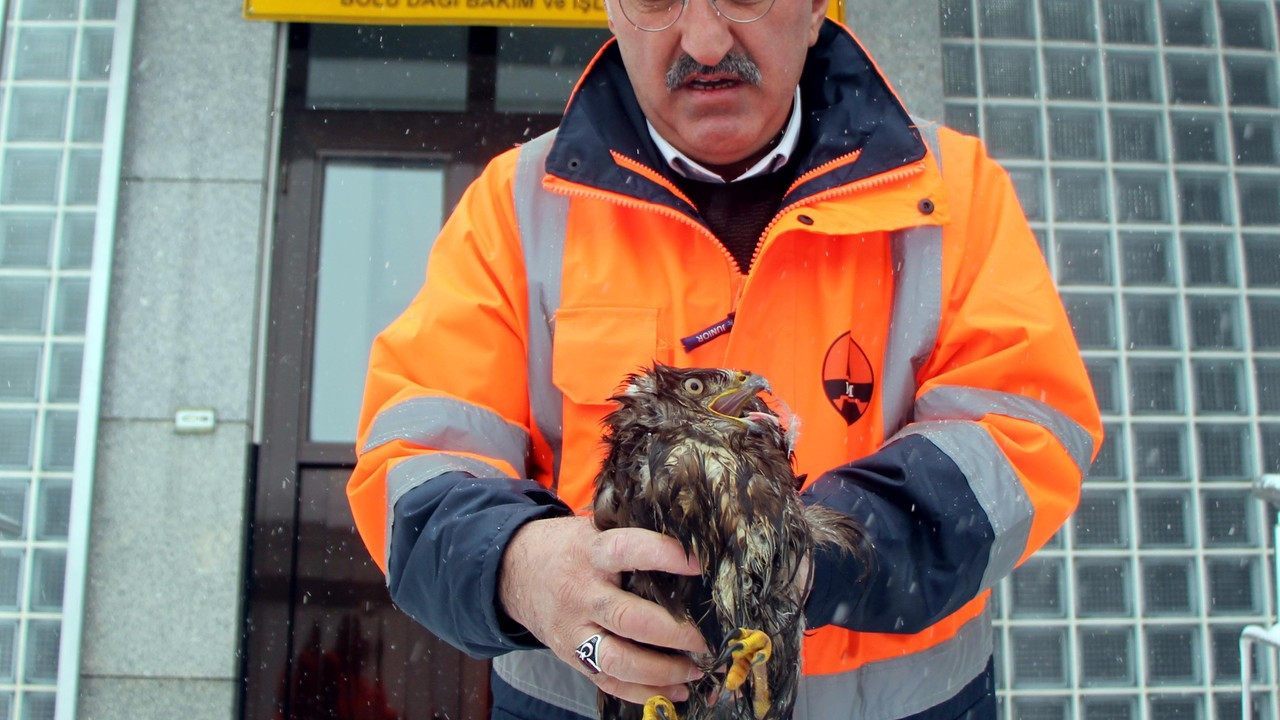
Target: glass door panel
pixel 362 67
pixel 377 224
pixel 538 67
pixel 355 655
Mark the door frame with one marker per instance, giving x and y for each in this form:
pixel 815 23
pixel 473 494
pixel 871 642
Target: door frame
pixel 309 139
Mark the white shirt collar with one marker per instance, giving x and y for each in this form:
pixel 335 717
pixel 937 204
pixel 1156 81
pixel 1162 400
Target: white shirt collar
pixel 691 169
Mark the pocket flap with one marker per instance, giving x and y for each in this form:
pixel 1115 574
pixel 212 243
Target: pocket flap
pixel 596 348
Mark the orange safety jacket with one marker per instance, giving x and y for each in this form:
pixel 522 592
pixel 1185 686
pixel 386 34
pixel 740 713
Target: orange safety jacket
pixel 898 303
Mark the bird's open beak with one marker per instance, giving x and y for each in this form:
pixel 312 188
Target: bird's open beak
pixel 730 402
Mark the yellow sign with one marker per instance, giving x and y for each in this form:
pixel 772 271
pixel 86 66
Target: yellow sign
pixel 550 13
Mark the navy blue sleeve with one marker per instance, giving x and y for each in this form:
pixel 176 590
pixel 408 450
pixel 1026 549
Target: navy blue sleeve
pixel 447 540
pixel 929 541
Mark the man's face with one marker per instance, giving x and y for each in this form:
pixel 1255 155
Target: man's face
pixel 719 119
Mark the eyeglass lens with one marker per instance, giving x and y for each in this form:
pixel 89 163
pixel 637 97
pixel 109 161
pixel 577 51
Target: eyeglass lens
pixel 654 15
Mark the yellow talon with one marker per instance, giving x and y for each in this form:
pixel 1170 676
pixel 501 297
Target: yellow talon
pixel 659 708
pixel 749 651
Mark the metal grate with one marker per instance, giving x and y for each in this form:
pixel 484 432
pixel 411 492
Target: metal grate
pixel 1143 138
pixel 52 109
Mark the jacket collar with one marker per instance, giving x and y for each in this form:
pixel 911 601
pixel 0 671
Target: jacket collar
pixel 848 107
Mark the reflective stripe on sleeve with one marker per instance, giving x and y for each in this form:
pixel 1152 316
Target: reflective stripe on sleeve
pixel 542 675
pixel 913 324
pixel 893 688
pixel 965 403
pixel 542 217
pixel 900 686
pixel 994 483
pixel 917 307
pixel 414 471
pixel 447 424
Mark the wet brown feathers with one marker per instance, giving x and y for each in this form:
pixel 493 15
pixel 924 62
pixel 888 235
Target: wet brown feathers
pixel 696 455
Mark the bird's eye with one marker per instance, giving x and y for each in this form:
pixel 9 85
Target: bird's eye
pixel 693 386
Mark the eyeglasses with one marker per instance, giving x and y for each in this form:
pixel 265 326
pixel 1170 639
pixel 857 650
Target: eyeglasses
pixel 657 15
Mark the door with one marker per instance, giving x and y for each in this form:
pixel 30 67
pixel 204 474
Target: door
pixel 383 130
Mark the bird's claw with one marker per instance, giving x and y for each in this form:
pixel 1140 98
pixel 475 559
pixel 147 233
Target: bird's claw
pixel 659 708
pixel 744 650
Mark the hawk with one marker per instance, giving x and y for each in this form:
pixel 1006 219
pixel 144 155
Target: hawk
pixel 697 455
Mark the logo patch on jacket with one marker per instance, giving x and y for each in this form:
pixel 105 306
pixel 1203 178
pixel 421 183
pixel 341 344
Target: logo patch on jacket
pixel 847 378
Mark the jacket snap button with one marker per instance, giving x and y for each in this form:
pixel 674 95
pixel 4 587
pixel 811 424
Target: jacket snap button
pixel 926 206
pixel 804 219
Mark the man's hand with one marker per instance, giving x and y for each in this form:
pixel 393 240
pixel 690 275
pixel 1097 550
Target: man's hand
pixel 560 580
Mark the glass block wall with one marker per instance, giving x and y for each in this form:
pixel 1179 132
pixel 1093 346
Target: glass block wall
pixel 1143 137
pixel 55 64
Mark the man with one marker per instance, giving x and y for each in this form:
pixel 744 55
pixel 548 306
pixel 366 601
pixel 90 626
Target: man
pixel 735 185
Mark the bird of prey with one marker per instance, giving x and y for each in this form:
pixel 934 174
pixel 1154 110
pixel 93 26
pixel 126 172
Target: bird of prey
pixel 697 455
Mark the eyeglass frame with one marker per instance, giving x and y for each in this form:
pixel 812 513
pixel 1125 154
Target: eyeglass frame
pixel 684 4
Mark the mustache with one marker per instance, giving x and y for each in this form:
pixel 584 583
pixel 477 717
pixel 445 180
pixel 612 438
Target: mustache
pixel 737 65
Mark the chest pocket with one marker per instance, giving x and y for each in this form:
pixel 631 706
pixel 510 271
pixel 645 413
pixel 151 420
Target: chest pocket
pixel 596 348
pixel 593 351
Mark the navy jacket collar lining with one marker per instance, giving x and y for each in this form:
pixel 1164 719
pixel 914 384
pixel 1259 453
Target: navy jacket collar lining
pixel 847 107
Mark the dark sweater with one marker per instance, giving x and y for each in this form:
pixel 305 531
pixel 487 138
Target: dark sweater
pixel 738 212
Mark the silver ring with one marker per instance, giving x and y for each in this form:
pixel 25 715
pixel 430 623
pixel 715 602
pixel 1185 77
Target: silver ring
pixel 589 654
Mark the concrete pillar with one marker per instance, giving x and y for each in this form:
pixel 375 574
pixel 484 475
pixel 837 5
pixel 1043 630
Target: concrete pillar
pixel 904 37
pixel 163 599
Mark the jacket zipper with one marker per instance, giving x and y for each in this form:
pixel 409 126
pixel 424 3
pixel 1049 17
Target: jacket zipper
pixel 875 181
pixel 740 280
pixel 659 209
pixel 862 185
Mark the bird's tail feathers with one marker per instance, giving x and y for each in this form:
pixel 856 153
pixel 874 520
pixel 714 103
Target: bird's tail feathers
pixel 833 529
